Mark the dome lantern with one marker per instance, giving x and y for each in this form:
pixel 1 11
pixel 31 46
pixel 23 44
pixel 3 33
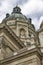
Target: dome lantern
pixel 16 10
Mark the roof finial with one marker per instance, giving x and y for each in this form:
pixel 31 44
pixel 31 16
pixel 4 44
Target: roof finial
pixel 16 9
pixel 17 4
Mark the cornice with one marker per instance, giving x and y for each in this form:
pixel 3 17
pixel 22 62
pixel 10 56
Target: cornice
pixel 22 53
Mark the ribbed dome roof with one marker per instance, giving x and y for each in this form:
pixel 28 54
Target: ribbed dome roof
pixel 15 14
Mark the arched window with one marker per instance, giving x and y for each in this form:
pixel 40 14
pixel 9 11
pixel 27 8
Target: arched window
pixel 22 33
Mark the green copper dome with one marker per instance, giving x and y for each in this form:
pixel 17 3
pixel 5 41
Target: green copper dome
pixel 15 14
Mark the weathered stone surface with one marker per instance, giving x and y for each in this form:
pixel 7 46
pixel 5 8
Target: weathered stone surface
pixel 20 43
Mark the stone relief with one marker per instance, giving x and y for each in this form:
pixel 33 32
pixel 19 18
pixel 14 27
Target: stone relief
pixel 22 33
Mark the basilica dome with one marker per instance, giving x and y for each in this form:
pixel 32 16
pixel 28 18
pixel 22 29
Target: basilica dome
pixel 16 14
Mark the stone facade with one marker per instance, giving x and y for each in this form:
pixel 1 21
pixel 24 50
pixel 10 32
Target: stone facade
pixel 20 43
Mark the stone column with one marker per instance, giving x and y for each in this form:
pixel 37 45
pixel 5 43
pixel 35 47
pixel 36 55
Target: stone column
pixel 1 57
pixel 2 47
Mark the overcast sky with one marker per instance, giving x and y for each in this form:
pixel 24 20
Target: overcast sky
pixel 31 8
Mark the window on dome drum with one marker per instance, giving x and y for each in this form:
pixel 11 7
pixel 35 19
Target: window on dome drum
pixel 17 10
pixel 22 33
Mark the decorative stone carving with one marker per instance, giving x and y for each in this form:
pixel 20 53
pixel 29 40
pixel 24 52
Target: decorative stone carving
pixel 27 43
pixel 22 33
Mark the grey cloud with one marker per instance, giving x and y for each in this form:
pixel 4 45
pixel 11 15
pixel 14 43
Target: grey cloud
pixel 22 1
pixel 0 2
pixel 34 15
